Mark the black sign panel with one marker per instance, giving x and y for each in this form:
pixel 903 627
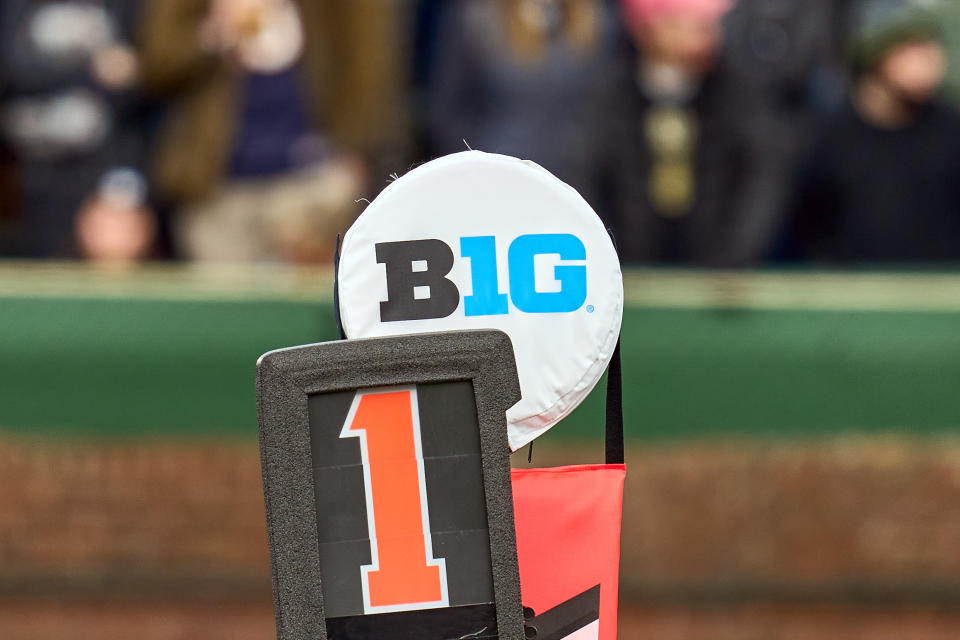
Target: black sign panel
pixel 386 477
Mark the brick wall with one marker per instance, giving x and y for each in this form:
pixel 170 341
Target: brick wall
pixel 115 511
pixel 854 538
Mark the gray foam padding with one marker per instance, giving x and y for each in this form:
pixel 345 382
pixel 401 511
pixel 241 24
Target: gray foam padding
pixel 285 379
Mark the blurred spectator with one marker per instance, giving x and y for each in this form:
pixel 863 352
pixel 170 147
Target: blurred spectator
pixel 71 115
pixel 949 13
pixel 788 52
pixel 114 226
pixel 272 104
pixel 512 77
pixel 884 181
pixel 426 34
pixel 689 167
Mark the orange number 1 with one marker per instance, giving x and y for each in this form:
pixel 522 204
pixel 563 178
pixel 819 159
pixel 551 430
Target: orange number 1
pixel 403 574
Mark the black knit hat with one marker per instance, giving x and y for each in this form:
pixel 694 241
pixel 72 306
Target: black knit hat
pixel 881 25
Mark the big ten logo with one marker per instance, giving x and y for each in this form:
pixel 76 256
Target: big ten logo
pixel 418 287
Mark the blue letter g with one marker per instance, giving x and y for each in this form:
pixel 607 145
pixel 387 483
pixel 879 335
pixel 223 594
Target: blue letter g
pixel 573 278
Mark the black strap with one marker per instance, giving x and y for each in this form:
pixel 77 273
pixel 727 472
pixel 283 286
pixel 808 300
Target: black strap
pixel 336 289
pixel 614 424
pixel 614 427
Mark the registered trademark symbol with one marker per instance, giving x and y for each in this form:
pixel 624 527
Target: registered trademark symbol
pixel 591 308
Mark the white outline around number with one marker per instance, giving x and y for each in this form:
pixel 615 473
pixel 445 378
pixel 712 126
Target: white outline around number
pixel 347 432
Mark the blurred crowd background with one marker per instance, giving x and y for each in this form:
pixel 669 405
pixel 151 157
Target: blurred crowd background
pixel 717 133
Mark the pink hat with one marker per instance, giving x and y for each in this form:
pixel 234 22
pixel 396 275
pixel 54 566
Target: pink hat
pixel 642 11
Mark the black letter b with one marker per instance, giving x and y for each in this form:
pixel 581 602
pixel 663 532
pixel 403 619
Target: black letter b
pixel 402 302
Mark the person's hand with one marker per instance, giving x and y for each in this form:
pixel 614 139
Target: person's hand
pixel 304 234
pixel 115 67
pixel 112 231
pixel 351 171
pixel 231 22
